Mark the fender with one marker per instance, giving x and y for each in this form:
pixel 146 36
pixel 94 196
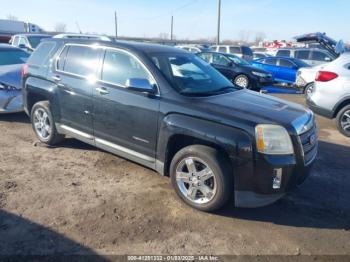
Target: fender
pixel 236 143
pixel 337 106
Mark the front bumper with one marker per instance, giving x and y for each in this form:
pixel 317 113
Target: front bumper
pixel 11 101
pixel 254 181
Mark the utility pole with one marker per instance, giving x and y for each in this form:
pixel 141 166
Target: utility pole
pixel 219 23
pixel 172 28
pixel 116 24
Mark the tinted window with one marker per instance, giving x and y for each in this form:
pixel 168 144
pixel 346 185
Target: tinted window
pixel 222 49
pixel 119 66
pixel 62 58
pixel 35 40
pixel 258 56
pixel 220 60
pixel 286 63
pixel 15 41
pixel 11 57
pixel 302 54
pixel 285 53
pixel 41 53
pixel 81 60
pixel 235 50
pixel 270 61
pixel 22 41
pixel 206 57
pixel 213 48
pixel 247 51
pixel 320 56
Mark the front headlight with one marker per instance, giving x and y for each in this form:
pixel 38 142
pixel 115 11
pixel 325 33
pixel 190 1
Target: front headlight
pixel 260 74
pixel 273 140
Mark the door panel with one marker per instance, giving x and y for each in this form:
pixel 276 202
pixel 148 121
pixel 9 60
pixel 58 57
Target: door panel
pixel 127 119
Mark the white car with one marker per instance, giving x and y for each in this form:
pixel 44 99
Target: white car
pixel 306 78
pixel 330 96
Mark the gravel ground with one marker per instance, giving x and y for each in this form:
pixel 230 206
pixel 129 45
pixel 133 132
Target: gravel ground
pixel 77 199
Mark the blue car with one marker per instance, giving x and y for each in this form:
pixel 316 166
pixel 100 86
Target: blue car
pixel 283 69
pixel 11 63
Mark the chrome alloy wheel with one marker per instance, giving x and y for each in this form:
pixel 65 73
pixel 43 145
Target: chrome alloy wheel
pixel 196 180
pixel 345 121
pixel 242 81
pixel 42 124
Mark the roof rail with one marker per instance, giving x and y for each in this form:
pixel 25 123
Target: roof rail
pixel 84 36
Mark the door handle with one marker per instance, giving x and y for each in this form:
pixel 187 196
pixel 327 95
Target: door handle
pixel 102 90
pixel 56 78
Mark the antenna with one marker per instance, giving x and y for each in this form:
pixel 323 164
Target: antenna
pixel 79 30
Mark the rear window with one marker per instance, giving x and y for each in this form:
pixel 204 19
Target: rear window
pixel 80 60
pixel 40 55
pixel 235 50
pixel 302 54
pixel 285 53
pixel 13 56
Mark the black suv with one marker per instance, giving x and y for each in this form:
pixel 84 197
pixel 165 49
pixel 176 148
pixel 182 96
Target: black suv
pixel 169 110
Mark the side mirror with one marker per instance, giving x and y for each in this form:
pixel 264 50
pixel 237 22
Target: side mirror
pixel 231 64
pixel 140 85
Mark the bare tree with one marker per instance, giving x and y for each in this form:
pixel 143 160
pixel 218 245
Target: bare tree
pixel 259 36
pixel 12 17
pixel 164 36
pixel 60 27
pixel 244 36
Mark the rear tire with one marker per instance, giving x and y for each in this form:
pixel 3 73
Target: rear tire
pixel 343 121
pixel 43 124
pixel 308 89
pixel 202 177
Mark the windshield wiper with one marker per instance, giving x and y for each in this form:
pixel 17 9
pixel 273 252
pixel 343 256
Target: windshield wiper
pixel 221 90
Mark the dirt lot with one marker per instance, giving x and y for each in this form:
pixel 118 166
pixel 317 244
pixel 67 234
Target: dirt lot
pixel 78 199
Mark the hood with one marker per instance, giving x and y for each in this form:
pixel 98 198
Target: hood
pixel 11 75
pixel 334 47
pixel 251 108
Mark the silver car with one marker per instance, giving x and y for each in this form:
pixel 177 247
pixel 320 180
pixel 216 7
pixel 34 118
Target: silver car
pixel 11 63
pixel 330 96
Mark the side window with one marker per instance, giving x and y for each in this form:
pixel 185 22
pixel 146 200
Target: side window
pixel 320 56
pixel 206 57
pixel 302 54
pixel 284 53
pixel 235 50
pixel 119 66
pixel 81 60
pixel 22 41
pixel 41 53
pixel 62 59
pixel 15 41
pixel 286 63
pixel 222 49
pixel 213 48
pixel 220 60
pixel 270 61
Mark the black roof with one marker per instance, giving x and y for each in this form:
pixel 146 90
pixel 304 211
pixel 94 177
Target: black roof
pixel 128 45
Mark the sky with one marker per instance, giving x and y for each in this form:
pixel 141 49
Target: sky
pixel 193 19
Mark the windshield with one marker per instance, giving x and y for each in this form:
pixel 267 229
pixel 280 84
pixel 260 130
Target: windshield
pixel 237 60
pixel 35 40
pixel 190 75
pixel 12 57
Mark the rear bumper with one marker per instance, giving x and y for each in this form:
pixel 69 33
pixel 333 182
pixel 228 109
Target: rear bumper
pixel 319 110
pixel 11 101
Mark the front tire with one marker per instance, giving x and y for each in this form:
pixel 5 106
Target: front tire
pixel 242 81
pixel 202 177
pixel 343 121
pixel 44 125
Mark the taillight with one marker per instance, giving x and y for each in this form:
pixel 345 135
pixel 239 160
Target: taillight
pixel 24 70
pixel 325 76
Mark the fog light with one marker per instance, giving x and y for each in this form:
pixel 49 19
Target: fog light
pixel 277 178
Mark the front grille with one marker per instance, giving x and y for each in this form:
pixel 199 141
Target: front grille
pixel 309 143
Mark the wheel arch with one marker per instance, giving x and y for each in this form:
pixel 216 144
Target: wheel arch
pixel 344 102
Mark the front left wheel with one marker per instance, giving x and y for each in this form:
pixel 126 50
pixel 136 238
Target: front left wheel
pixel 44 125
pixel 241 81
pixel 202 177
